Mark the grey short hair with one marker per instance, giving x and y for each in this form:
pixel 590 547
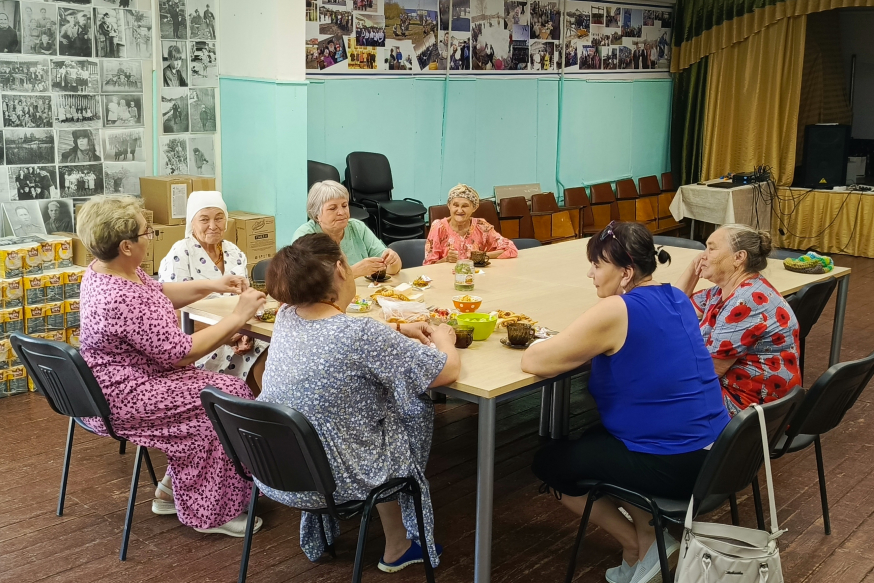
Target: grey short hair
pixel 105 221
pixel 757 245
pixel 321 193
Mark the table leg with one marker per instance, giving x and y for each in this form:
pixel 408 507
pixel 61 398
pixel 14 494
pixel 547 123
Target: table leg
pixel 545 409
pixel 691 229
pixel 838 326
pixel 485 483
pixel 187 324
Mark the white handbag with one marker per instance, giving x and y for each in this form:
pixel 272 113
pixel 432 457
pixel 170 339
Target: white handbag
pixel 720 553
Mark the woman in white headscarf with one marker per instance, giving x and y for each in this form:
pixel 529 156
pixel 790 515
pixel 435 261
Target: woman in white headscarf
pixel 205 254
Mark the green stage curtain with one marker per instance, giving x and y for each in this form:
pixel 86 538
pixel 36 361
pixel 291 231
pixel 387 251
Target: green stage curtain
pixel 687 122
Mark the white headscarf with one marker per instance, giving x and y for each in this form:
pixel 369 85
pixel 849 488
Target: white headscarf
pixel 200 200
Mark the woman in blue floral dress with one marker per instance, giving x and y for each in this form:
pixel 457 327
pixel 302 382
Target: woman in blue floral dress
pixel 362 385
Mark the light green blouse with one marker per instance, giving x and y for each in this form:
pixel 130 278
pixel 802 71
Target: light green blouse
pixel 358 242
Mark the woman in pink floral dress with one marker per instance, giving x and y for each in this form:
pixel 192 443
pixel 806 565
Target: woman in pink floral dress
pixel 454 238
pixel 144 364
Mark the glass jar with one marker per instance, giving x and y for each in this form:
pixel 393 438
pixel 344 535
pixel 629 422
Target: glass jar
pixel 464 275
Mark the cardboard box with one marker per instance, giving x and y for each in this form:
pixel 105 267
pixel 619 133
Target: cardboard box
pixel 231 233
pixel 256 235
pixel 148 267
pixel 11 293
pixel 165 237
pixel 167 196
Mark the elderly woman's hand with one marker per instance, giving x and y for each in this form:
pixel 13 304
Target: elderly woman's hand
pixel 368 266
pixel 231 284
pixel 251 300
pixel 241 344
pixel 392 261
pixel 420 331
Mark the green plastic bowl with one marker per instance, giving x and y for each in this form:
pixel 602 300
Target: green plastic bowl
pixel 483 324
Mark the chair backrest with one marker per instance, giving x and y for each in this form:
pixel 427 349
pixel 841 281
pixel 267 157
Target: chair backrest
pixel 411 252
pixel 544 202
pixel 368 176
pixel 275 443
pixel 625 189
pixel 526 243
pixel 737 454
pixel 517 206
pixel 578 196
pixel 809 302
pixel 602 193
pixel 489 213
pixel 318 171
pixel 830 397
pixel 259 272
pixel 678 242
pixel 668 182
pixel 61 375
pixel 440 211
pixel 648 186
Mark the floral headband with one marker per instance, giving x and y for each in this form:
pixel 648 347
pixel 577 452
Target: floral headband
pixel 465 192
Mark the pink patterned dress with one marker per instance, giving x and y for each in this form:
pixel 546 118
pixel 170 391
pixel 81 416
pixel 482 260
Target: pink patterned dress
pixel 482 236
pixel 131 339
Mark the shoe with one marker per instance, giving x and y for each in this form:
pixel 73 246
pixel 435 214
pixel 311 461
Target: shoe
pixel 164 507
pixel 235 527
pixel 649 570
pixel 411 557
pixel 621 574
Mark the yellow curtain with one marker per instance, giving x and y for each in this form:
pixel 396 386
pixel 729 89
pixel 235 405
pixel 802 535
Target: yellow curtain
pixel 830 222
pixel 753 94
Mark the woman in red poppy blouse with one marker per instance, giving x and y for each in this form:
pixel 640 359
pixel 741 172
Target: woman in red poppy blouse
pixel 748 327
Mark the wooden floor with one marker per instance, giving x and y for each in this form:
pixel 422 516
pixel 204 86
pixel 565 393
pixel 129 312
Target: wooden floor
pixel 532 532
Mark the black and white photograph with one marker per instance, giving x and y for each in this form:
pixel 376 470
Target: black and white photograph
pixel 24 218
pixel 123 110
pixel 578 21
pixel 201 103
pixel 76 111
pixel 172 19
pixel 204 64
pixel 201 19
pixel 124 145
pixel 82 2
pixel 410 20
pixel 36 146
pixel 460 21
pixel 10 26
pixel 545 20
pixel 138 34
pixel 39 29
pixel 542 55
pixel 365 5
pixel 27 111
pixel 122 178
pixel 335 22
pixel 201 155
pixel 369 30
pixel 174 110
pixel 33 182
pixel 109 33
pixel 174 59
pixel 75 34
pixel 57 215
pixel 114 3
pixel 75 76
pixel 80 180
pixel 2 154
pixel 26 75
pixel 79 146
pixel 173 156
pixel 632 22
pixel 121 76
pixel 488 36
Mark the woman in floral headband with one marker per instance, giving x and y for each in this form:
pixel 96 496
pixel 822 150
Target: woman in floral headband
pixel 454 238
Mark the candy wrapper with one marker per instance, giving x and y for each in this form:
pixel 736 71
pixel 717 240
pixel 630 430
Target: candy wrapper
pixel 398 312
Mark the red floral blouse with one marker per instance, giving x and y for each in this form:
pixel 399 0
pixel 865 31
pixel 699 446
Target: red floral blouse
pixel 756 326
pixel 481 237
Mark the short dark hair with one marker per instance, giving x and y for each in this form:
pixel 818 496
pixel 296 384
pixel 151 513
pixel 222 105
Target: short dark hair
pixel 174 53
pixel 626 245
pixel 303 272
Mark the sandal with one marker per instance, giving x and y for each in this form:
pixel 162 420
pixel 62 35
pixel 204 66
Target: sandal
pixel 164 507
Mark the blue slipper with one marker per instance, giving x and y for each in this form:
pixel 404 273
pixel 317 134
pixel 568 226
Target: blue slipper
pixel 411 557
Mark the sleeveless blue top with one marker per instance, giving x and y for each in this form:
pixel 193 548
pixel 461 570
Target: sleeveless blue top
pixel 659 393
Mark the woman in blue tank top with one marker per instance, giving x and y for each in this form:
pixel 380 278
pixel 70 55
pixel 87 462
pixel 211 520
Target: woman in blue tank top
pixel 655 387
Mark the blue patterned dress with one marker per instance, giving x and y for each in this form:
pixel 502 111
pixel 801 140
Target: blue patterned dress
pixel 363 387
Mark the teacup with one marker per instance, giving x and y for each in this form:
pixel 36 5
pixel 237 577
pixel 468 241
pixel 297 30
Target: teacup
pixel 479 257
pixel 463 336
pixel 379 275
pixel 519 333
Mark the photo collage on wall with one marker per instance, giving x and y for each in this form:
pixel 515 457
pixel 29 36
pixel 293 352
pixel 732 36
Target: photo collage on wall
pixel 433 36
pixel 71 82
pixel 189 86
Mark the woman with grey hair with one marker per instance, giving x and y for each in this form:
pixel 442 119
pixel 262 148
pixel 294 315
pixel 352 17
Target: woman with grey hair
pixel 328 211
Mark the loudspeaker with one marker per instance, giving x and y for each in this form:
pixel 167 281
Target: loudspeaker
pixel 826 149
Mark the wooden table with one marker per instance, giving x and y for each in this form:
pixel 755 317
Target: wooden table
pixel 549 284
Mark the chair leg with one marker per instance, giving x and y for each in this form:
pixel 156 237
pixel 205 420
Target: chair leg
pixel 362 540
pixel 150 467
pixel 66 471
pixel 122 446
pixel 131 501
pixel 581 533
pixel 735 515
pixel 660 545
pixel 247 541
pixel 822 493
pixel 329 548
pixel 420 520
pixel 757 499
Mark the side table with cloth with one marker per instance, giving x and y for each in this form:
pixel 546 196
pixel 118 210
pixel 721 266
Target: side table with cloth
pixel 748 205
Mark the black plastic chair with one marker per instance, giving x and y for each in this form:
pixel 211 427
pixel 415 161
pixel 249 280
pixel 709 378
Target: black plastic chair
pixel 319 171
pixel 823 408
pixel 77 395
pixel 369 180
pixel 526 243
pixel 280 448
pixel 679 242
pixel 412 252
pixel 259 272
pixel 807 304
pixel 730 466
